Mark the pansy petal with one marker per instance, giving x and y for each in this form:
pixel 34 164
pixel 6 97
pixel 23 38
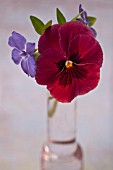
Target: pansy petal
pixel 88 50
pixel 63 94
pixel 67 86
pixel 64 88
pixel 17 41
pixel 48 66
pixel 70 30
pixel 25 66
pixel 16 56
pixel 30 47
pixel 32 66
pixel 50 39
pixel 91 80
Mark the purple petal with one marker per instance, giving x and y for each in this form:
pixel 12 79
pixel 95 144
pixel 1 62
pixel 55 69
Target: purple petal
pixel 81 10
pixel 28 66
pixel 86 18
pixel 94 32
pixel 30 47
pixel 83 15
pixel 11 42
pixel 16 56
pixel 32 66
pixel 17 41
pixel 24 65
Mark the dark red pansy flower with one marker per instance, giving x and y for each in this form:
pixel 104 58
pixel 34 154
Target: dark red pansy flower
pixel 70 60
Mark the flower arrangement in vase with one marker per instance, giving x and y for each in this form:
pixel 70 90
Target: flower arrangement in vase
pixel 67 61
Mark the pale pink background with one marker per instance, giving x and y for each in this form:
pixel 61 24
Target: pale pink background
pixel 23 102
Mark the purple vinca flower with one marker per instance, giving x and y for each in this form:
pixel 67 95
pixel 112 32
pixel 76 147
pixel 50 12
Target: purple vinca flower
pixel 85 20
pixel 83 15
pixel 23 53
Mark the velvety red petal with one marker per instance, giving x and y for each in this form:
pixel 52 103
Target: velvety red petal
pixel 70 30
pixel 63 93
pixel 91 80
pixel 79 81
pixel 64 88
pixel 88 50
pixel 50 39
pixel 47 66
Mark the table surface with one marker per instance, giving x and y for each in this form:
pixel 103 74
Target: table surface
pixel 23 102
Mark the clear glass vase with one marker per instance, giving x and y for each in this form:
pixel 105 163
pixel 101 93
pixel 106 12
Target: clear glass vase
pixel 61 152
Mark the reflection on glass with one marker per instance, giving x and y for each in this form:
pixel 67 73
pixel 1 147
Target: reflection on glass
pixel 62 152
pixel 50 161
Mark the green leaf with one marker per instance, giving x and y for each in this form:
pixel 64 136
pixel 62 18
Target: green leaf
pixel 92 20
pixel 60 17
pixel 48 24
pixel 37 24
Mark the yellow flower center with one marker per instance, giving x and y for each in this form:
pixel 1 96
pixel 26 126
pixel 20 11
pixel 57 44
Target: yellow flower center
pixel 68 64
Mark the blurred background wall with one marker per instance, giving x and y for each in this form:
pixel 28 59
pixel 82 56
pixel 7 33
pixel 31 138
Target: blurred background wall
pixel 23 102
